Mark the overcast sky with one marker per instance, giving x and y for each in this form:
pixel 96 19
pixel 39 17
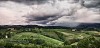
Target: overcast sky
pixel 49 12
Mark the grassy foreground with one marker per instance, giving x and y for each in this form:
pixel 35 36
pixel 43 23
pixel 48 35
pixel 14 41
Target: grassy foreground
pixel 48 38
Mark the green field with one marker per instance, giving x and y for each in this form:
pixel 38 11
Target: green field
pixel 48 38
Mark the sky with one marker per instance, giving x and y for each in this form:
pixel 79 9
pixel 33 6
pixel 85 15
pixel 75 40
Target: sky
pixel 69 13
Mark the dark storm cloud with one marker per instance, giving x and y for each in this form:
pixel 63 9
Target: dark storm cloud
pixel 28 2
pixel 91 3
pixel 38 18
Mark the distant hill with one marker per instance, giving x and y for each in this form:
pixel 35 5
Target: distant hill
pixel 89 25
pixel 32 26
pixel 82 25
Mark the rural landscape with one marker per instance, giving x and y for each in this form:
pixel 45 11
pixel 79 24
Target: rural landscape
pixel 33 36
pixel 49 23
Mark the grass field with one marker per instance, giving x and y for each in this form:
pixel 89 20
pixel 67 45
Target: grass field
pixel 49 38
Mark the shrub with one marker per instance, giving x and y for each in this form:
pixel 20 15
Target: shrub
pixel 39 41
pixel 2 43
pixel 89 42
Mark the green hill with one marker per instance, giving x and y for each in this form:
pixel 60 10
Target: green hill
pixel 28 38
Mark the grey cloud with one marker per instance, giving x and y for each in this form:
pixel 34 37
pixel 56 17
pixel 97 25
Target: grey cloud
pixel 28 2
pixel 38 18
pixel 91 3
pixel 49 12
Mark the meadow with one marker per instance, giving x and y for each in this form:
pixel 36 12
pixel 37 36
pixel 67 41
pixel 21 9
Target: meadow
pixel 49 38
